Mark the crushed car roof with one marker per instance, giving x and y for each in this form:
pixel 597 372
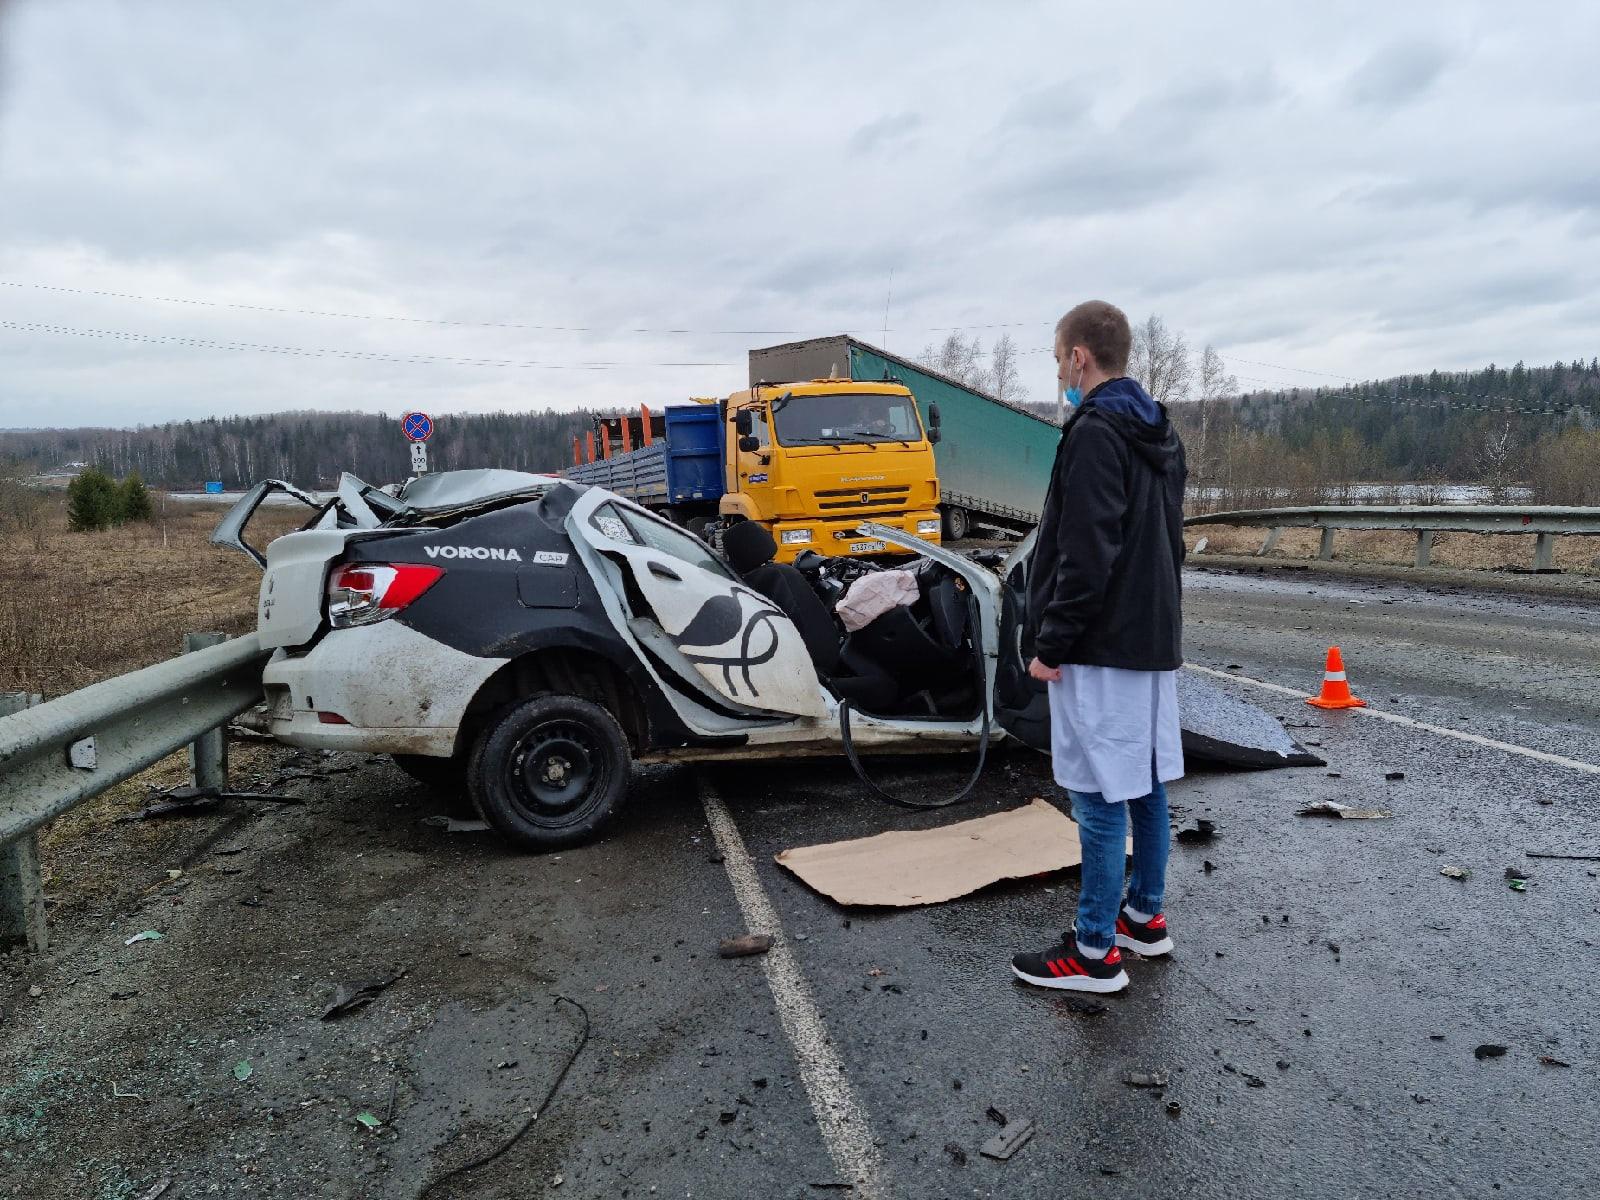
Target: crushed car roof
pixel 456 489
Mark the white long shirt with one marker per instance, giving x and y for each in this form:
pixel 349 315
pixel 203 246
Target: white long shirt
pixel 1107 726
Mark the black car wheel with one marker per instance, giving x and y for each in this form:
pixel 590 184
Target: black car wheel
pixel 551 772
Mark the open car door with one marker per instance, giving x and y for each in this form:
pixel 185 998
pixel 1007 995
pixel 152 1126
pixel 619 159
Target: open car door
pixel 696 616
pixel 1217 726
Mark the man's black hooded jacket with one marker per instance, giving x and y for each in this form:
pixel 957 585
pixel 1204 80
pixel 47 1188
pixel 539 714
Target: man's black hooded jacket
pixel 1104 587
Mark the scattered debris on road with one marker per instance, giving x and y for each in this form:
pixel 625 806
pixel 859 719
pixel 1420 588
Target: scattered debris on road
pixel 956 1153
pixel 745 945
pixel 1204 831
pixel 242 1070
pixel 995 1115
pixel 455 825
pixel 1394 776
pixel 1343 812
pixel 1146 1079
pixel 903 868
pixel 1488 1050
pixel 1546 1060
pixel 1516 880
pixel 370 1121
pixel 349 997
pixel 1174 1109
pixel 156 1189
pixel 1455 872
pixel 1572 857
pixel 149 935
pixel 1008 1141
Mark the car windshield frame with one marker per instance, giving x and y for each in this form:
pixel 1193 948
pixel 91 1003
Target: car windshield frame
pixel 848 431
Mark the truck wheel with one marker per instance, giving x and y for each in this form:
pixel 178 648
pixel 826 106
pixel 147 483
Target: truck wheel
pixel 956 523
pixel 550 772
pixel 696 526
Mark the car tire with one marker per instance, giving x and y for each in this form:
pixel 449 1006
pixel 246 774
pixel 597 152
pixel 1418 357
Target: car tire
pixel 956 523
pixel 550 772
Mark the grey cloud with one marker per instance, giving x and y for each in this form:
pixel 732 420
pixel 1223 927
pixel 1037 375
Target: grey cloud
pixel 1397 74
pixel 886 133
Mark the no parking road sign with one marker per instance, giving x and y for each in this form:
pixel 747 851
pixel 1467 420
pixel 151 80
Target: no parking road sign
pixel 417 426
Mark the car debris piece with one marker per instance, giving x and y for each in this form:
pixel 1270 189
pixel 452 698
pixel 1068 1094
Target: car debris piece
pixel 372 1122
pixel 995 1115
pixel 1488 1050
pixel 148 935
pixel 1343 812
pixel 1516 880
pixel 1008 1141
pixel 1146 1079
pixel 1394 776
pixel 905 867
pixel 1203 832
pixel 455 825
pixel 1174 1109
pixel 1546 1060
pixel 745 945
pixel 1555 854
pixel 1455 872
pixel 956 1153
pixel 242 1070
pixel 349 997
pixel 157 1188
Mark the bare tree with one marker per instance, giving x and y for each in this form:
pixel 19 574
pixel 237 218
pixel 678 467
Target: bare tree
pixel 1494 457
pixel 957 358
pixel 1004 379
pixel 1215 384
pixel 1160 360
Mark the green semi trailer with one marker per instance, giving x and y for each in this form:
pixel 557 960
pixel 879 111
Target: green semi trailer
pixel 993 459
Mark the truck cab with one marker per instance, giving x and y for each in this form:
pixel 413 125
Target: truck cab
pixel 812 460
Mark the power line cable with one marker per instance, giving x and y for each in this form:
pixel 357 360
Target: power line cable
pixel 327 352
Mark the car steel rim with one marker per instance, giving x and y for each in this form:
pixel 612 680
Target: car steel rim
pixel 555 768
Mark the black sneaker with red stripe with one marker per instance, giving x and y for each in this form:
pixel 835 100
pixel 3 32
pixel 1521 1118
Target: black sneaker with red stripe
pixel 1062 967
pixel 1147 940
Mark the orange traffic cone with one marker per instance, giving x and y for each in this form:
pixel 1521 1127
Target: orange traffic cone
pixel 1335 688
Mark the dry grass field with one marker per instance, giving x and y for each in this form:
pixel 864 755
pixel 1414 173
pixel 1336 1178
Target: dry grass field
pixel 1469 551
pixel 79 607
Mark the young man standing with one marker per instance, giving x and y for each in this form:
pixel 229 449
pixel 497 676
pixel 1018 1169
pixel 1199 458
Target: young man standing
pixel 1105 608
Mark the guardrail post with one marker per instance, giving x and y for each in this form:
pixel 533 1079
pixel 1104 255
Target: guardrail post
pixel 1424 547
pixel 22 918
pixel 208 753
pixel 1325 551
pixel 1544 552
pixel 1267 546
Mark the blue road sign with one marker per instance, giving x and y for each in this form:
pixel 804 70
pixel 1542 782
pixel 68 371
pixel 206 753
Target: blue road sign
pixel 417 426
pixel 213 487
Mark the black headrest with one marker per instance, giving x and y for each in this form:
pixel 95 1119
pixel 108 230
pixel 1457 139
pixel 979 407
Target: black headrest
pixel 748 545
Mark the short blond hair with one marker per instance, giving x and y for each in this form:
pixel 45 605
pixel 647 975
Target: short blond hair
pixel 1101 329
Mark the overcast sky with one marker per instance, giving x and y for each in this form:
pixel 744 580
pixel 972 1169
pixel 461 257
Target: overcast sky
pixel 1352 189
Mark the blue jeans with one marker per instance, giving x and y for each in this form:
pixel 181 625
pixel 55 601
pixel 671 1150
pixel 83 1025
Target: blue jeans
pixel 1103 831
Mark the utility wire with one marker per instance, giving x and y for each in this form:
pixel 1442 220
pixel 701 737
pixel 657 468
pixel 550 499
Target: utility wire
pixel 328 352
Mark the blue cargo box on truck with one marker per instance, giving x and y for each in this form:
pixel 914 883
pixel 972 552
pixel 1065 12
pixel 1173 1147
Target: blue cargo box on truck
pixel 993 457
pixel 681 469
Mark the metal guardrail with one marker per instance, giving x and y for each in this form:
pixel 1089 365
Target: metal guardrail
pixel 1425 520
pixel 56 755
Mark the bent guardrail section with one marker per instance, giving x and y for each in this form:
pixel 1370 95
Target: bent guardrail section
pixel 1543 520
pixel 56 755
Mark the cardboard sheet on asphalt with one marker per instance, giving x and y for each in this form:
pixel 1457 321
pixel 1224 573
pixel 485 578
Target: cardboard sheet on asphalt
pixel 927 866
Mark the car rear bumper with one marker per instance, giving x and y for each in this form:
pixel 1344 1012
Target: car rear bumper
pixel 382 688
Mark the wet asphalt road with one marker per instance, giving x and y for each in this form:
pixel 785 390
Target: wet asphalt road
pixel 1318 1021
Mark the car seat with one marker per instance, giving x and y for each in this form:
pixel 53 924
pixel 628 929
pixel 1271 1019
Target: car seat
pixel 750 550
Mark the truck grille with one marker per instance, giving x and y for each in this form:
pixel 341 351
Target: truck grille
pixel 866 497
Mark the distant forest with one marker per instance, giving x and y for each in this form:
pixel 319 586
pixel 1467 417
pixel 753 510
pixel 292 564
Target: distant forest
pixel 307 448
pixel 1500 426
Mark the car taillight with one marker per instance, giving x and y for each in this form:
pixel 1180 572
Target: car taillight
pixel 359 594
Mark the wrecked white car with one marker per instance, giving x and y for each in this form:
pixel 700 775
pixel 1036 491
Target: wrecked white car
pixel 528 639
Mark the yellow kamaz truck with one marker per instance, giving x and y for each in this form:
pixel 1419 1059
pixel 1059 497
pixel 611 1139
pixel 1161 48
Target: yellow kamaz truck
pixel 810 460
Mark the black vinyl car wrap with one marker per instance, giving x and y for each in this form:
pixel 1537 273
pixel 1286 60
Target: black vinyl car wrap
pixel 514 586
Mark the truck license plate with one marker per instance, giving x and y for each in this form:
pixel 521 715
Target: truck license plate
pixel 866 547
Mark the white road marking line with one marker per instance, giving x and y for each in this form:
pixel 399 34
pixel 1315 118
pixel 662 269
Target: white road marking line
pixel 840 1118
pixel 1572 764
